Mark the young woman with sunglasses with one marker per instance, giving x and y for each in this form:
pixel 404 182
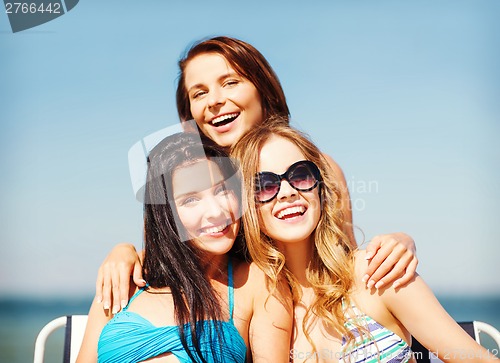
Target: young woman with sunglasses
pixel 203 302
pixel 228 88
pixel 293 227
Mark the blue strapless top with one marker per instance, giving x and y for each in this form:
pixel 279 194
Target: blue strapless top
pixel 130 338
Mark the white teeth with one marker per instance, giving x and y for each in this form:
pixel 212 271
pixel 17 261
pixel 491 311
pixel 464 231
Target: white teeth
pixel 224 117
pixel 291 210
pixel 217 229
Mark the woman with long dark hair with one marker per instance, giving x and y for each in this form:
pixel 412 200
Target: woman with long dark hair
pixel 203 302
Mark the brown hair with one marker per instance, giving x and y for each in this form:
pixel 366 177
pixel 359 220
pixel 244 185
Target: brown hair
pixel 248 62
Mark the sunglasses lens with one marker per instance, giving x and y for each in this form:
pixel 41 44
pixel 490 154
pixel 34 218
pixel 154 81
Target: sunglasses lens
pixel 267 186
pixel 303 176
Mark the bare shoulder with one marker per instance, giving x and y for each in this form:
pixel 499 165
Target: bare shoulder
pixel 254 282
pixel 386 300
pixel 369 298
pixel 376 303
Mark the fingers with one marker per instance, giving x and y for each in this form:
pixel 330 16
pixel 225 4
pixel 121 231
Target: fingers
pixel 98 286
pixel 124 283
pixel 383 247
pixel 113 280
pixel 394 261
pixel 410 273
pixel 106 288
pixel 115 288
pixel 113 283
pixel 384 261
pixel 124 286
pixel 137 275
pixel 373 247
pixel 391 256
pixel 406 241
pixel 397 271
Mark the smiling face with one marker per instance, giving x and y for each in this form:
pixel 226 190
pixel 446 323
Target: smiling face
pixel 293 215
pixel 205 207
pixel 224 104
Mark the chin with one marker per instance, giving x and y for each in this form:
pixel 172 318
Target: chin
pixel 290 233
pixel 218 248
pixel 293 239
pixel 228 140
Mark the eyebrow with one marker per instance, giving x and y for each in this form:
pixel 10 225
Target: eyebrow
pixel 190 193
pixel 221 78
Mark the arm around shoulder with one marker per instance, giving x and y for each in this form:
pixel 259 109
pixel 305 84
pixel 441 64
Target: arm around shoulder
pixel 113 278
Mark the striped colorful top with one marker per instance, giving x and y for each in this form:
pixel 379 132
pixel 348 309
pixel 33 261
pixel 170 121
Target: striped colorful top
pixel 382 346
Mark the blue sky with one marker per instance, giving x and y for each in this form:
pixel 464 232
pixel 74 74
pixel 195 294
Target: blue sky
pixel 403 95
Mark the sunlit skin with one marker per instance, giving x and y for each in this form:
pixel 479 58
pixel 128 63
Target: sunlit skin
pixel 293 215
pixel 407 311
pixel 208 218
pixel 224 104
pixel 293 236
pixel 225 107
pixel 205 207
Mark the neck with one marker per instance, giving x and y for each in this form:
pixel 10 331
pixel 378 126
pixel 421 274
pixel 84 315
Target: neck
pixel 297 258
pixel 214 267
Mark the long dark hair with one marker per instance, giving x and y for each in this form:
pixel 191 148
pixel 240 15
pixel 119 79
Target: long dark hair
pixel 248 62
pixel 169 260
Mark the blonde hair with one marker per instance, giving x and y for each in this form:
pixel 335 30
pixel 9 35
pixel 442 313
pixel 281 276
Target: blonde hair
pixel 330 271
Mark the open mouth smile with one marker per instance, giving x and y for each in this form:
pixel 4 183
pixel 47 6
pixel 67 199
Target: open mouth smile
pixel 291 212
pixel 224 119
pixel 214 230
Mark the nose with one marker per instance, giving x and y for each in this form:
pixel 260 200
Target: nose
pixel 216 98
pixel 286 191
pixel 213 208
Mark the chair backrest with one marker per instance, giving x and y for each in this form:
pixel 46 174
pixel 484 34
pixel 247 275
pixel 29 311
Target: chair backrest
pixel 74 329
pixel 473 328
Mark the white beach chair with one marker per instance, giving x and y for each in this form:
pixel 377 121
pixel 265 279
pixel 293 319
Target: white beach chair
pixel 74 329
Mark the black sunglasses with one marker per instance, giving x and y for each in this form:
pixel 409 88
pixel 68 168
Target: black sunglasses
pixel 303 176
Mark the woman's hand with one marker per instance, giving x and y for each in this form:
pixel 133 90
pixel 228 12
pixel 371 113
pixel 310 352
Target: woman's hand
pixel 392 258
pixel 113 278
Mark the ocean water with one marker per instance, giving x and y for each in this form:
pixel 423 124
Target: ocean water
pixel 21 320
